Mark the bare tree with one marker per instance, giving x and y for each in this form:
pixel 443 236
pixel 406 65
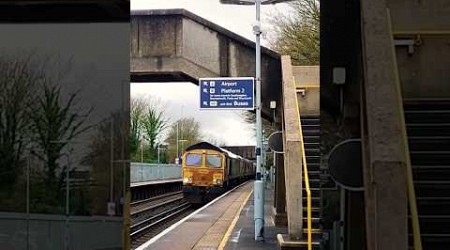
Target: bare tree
pixel 153 122
pixel 137 107
pixel 250 118
pixel 188 130
pixel 18 79
pixel 148 122
pixel 56 120
pixel 32 116
pixel 297 33
pixel 54 124
pixel 99 157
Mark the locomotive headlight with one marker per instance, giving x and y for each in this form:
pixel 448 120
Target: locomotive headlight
pixel 187 177
pixel 217 179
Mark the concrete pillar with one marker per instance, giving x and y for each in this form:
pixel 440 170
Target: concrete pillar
pixel 384 157
pixel 293 166
pixel 279 212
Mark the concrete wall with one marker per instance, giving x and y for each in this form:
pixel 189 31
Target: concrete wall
pixel 48 232
pixel 420 15
pixel 201 45
pixel 140 172
pixel 307 78
pixel 149 36
pixel 425 73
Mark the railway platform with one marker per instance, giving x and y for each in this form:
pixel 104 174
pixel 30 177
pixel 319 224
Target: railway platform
pixel 226 223
pixel 155 182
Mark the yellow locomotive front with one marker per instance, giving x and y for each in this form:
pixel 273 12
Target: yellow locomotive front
pixel 203 168
pixel 203 174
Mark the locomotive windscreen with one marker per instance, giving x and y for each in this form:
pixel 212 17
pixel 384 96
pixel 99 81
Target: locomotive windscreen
pixel 214 161
pixel 193 159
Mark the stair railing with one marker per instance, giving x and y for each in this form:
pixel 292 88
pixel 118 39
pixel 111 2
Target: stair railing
pixel 307 188
pixel 409 175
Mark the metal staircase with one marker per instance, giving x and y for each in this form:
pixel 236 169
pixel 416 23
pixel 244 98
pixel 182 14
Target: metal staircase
pixel 311 138
pixel 428 130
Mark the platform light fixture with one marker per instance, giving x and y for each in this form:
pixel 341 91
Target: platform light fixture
pixel 339 79
pixel 339 75
pixel 66 238
pixel 273 104
pixel 259 185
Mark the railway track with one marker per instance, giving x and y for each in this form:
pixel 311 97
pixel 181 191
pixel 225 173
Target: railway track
pixel 151 216
pixel 138 208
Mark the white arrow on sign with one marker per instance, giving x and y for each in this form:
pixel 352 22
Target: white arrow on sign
pixel 205 90
pixel 205 103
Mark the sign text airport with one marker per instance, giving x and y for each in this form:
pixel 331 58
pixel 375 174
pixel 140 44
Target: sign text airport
pixel 227 93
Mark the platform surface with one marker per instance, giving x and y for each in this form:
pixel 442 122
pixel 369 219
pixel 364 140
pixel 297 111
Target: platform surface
pixel 243 234
pixel 205 229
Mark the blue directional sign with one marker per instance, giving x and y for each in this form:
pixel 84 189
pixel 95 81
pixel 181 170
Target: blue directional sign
pixel 227 93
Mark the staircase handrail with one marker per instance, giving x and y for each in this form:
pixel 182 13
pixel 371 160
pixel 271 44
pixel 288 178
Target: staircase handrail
pixel 306 178
pixel 409 175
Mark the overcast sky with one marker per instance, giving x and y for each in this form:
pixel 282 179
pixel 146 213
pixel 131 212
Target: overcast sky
pixel 225 126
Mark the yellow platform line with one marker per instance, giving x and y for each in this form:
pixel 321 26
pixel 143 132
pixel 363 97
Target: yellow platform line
pixel 233 223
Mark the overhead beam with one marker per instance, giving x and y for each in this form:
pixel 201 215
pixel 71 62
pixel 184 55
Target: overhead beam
pixel 176 45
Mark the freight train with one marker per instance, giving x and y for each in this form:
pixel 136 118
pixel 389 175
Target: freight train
pixel 209 171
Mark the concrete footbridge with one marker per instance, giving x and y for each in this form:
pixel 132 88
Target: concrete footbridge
pixel 176 45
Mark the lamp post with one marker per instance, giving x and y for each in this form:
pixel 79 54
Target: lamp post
pixel 111 167
pixel 178 122
pixel 178 131
pixel 30 151
pixel 66 241
pixel 182 145
pixel 258 186
pixel 28 199
pixel 158 153
pixel 67 186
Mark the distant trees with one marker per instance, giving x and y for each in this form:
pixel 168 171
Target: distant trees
pixel 18 80
pixel 148 122
pixel 153 136
pixel 153 124
pixel 250 118
pixel 297 33
pixel 137 109
pixel 188 134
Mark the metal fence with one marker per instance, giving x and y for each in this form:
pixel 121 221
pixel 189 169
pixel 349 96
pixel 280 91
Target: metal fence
pixel 140 172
